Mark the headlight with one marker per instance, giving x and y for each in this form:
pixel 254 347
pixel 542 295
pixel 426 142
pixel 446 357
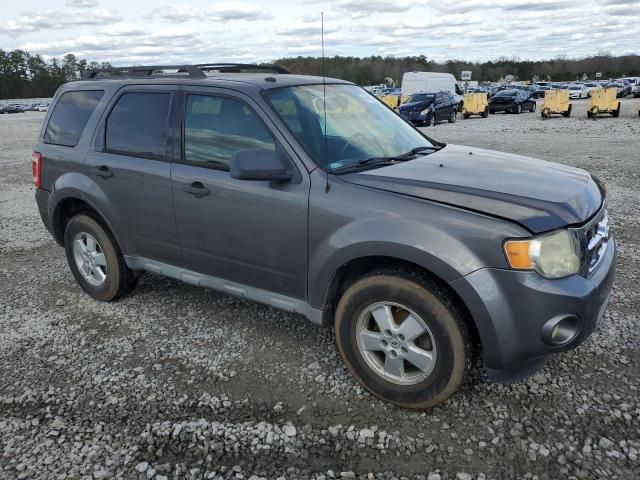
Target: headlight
pixel 555 255
pixel 425 111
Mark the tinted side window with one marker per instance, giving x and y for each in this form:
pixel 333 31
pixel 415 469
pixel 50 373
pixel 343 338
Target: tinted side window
pixel 137 124
pixel 216 127
pixel 70 116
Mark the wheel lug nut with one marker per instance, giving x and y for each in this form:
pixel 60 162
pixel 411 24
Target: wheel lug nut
pixel 387 333
pixel 393 354
pixel 403 350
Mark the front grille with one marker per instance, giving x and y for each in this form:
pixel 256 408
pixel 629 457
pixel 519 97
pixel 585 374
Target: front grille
pixel 594 239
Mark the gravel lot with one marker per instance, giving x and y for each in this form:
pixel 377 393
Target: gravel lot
pixel 181 382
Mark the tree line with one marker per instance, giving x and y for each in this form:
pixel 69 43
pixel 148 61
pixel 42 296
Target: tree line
pixel 23 75
pixel 375 70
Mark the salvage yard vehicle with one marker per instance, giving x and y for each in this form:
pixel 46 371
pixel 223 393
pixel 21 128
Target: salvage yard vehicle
pixel 556 102
pixel 11 109
pixel 604 100
pixel 578 91
pixel 422 255
pixel 475 104
pixel 414 82
pixel 429 108
pixel 511 101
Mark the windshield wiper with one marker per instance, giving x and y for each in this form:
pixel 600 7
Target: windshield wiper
pixel 385 160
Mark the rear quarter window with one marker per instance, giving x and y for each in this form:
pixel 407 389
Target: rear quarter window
pixel 70 116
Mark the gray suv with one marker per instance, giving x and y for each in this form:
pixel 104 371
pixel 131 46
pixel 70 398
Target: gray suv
pixel 311 196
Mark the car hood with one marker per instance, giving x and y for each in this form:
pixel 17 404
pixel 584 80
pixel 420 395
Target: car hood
pixel 415 106
pixel 538 195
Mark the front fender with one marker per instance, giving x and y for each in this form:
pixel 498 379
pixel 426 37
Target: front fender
pixel 417 242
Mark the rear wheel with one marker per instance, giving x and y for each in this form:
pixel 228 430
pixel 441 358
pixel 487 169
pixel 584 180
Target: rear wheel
pixel 453 116
pixel 95 259
pixel 533 107
pixel 401 337
pixel 616 112
pixel 517 109
pixel 485 114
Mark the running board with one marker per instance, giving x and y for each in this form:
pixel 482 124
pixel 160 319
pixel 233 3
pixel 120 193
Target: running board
pixel 280 302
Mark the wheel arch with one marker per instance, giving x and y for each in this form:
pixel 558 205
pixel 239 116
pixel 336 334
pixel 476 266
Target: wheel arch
pixel 74 204
pixel 356 268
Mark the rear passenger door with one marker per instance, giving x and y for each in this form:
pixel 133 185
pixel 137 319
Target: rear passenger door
pixel 130 169
pixel 249 232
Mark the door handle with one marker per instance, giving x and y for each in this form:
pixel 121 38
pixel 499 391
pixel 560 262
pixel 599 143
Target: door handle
pixel 102 171
pixel 196 189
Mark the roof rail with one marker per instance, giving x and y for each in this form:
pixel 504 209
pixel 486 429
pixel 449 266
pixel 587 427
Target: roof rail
pixel 192 71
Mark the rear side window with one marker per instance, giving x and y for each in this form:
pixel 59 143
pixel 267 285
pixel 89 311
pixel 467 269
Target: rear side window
pixel 70 116
pixel 137 125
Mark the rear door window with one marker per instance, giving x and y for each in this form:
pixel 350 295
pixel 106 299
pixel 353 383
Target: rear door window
pixel 70 115
pixel 137 125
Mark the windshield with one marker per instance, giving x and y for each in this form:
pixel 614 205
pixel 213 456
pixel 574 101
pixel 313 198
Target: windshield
pixel 422 97
pixel 575 87
pixel 358 127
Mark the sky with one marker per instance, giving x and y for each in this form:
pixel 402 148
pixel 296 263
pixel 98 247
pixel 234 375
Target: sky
pixel 193 31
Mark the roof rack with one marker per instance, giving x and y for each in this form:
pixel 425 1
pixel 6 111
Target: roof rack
pixel 192 71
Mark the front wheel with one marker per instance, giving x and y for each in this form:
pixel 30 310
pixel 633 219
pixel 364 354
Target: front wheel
pixel 95 260
pixel 403 339
pixel 517 109
pixel 452 117
pixel 533 107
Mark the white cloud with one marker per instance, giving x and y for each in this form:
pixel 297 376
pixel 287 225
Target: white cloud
pixel 123 29
pixel 82 3
pixel 222 11
pixel 35 21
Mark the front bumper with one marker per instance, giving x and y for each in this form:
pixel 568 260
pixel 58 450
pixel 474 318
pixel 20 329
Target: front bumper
pixel 416 117
pixel 500 107
pixel 510 309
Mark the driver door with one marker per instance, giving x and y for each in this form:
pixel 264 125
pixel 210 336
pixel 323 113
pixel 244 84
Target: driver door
pixel 250 232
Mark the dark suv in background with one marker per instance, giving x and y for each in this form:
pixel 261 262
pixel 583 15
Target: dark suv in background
pixel 425 108
pixel 310 195
pixel 512 101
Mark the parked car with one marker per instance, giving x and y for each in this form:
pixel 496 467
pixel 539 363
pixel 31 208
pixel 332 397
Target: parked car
pixel 429 108
pixel 534 91
pixel 11 109
pixel 578 91
pixel 420 254
pixel 620 88
pixel 511 101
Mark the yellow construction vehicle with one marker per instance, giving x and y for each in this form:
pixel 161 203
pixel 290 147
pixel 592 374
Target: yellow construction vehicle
pixel 475 104
pixel 555 102
pixel 603 100
pixel 392 101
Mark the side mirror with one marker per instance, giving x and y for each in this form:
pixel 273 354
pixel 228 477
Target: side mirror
pixel 260 164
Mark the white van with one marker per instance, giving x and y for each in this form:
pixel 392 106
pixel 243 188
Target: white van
pixel 413 82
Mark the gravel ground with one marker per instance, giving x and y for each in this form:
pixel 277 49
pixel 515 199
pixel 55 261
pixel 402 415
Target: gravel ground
pixel 181 382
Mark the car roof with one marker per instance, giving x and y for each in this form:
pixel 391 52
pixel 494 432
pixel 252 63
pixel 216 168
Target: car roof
pixel 262 81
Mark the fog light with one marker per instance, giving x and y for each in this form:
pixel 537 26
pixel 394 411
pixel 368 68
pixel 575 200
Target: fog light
pixel 561 330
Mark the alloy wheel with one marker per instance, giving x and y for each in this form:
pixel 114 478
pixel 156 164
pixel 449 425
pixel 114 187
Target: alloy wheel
pixel 396 343
pixel 90 259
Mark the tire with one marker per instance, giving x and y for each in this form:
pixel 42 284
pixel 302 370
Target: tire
pixel 466 116
pixel 446 336
pixel 452 117
pixel 107 258
pixel 518 109
pixel 616 112
pixel 533 107
pixel 492 112
pixel 485 114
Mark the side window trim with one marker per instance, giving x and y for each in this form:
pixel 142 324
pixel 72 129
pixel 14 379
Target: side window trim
pixel 180 156
pixel 102 134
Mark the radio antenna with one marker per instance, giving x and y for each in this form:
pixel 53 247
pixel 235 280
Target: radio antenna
pixel 324 105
